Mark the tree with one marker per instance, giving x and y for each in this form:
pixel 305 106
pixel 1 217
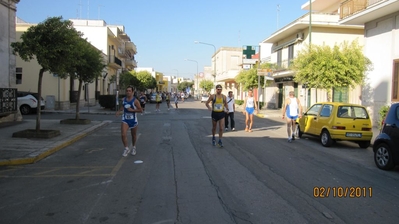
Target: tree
pixel 207 85
pixel 328 67
pixel 146 81
pixel 88 66
pixel 183 85
pixel 249 78
pixel 128 79
pixel 53 44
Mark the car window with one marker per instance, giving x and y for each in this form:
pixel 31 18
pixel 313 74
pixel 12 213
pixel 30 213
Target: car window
pixel 397 113
pixel 326 111
pixel 352 112
pixel 314 110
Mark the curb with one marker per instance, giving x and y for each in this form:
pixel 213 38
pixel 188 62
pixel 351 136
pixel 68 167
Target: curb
pixel 34 159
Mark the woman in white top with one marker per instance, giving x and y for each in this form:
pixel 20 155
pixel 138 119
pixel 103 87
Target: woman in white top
pixel 250 107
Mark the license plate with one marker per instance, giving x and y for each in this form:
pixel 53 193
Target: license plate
pixel 353 135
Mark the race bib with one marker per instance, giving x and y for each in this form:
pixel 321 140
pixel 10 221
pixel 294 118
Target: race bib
pixel 218 106
pixel 129 116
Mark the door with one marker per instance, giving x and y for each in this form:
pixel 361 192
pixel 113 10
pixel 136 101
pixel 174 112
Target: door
pixel 309 119
pixel 280 95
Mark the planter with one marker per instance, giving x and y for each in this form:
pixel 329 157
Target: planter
pixel 32 133
pixel 74 121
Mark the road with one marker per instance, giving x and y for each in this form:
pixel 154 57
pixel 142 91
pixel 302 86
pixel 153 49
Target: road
pixel 177 176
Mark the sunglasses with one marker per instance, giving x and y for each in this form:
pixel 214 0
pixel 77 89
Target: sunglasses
pixel 219 89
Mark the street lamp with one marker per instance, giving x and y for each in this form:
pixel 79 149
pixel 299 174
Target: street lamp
pixel 195 75
pixel 214 53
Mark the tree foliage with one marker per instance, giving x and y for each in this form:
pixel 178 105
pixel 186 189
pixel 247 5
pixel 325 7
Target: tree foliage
pixel 249 78
pixel 139 80
pixel 207 85
pixel 325 67
pixel 89 64
pixel 183 85
pixel 53 44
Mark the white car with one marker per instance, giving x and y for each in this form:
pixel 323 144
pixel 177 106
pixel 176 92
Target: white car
pixel 204 98
pixel 27 102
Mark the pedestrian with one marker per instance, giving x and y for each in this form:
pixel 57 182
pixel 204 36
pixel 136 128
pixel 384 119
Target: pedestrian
pixel 182 96
pixel 130 107
pixel 176 98
pixel 167 98
pixel 158 100
pixel 250 110
pixel 219 106
pixel 230 114
pixel 143 101
pixel 291 111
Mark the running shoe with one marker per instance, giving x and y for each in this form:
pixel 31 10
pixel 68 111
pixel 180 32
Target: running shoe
pixel 213 141
pixel 293 137
pixel 133 150
pixel 220 144
pixel 289 140
pixel 233 129
pixel 126 152
pixel 226 129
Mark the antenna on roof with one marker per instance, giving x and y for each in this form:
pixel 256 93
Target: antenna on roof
pixel 278 13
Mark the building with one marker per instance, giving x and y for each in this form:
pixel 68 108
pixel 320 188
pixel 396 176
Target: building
pixel 380 19
pixel 286 42
pixel 8 107
pixel 118 52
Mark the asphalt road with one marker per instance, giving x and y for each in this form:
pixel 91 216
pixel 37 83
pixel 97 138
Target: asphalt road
pixel 177 176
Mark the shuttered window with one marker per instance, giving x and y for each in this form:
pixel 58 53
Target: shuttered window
pixel 340 94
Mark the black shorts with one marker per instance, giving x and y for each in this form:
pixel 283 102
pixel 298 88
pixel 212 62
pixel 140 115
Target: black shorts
pixel 216 116
pixel 142 105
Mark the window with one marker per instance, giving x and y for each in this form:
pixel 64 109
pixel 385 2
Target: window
pixel 314 110
pixel 395 81
pixel 290 54
pixel 18 75
pixel 326 111
pixel 279 58
pixel 352 112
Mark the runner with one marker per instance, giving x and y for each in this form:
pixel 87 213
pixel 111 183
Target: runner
pixel 143 101
pixel 158 100
pixel 290 110
pixel 250 107
pixel 219 105
pixel 130 107
pixel 182 96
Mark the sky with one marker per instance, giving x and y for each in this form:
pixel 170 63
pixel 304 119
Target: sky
pixel 164 31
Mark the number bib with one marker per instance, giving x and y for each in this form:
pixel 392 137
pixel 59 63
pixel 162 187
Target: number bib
pixel 129 116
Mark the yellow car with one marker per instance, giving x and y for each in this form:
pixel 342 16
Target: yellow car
pixel 334 121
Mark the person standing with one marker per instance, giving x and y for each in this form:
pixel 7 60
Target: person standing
pixel 176 98
pixel 291 111
pixel 219 105
pixel 230 114
pixel 167 99
pixel 143 101
pixel 158 100
pixel 182 96
pixel 250 108
pixel 130 107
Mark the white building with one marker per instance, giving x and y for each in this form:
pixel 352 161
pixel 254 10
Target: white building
pixel 381 32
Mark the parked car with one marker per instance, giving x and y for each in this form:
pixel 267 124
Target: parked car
pixel 153 98
pixel 27 102
pixel 204 98
pixel 334 121
pixel 386 144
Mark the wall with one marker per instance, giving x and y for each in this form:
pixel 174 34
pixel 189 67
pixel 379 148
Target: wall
pixel 381 35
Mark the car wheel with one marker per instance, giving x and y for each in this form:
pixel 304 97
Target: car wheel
pixel 298 131
pixel 25 109
pixel 364 144
pixel 325 138
pixel 383 157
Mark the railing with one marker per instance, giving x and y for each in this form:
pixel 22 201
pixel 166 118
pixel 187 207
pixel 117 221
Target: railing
pixel 8 101
pixel 351 7
pixel 115 60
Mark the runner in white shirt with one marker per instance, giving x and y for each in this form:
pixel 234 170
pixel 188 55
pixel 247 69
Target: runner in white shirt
pixel 292 110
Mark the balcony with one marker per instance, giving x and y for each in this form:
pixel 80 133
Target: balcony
pixel 131 46
pixel 131 63
pixel 359 12
pixel 114 62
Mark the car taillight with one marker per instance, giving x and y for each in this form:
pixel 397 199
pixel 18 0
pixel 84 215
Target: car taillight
pixel 34 100
pixel 338 127
pixel 366 129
